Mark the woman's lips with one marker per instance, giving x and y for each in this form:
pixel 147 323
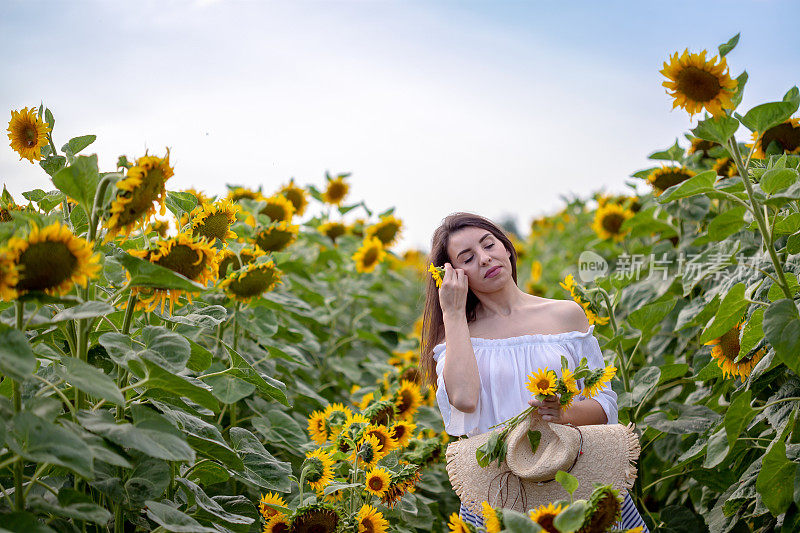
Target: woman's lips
pixel 492 272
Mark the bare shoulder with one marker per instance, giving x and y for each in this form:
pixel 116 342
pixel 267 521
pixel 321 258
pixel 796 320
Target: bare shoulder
pixel 572 315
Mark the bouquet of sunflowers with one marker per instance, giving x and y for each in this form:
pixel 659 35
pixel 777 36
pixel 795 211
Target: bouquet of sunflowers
pixel 544 384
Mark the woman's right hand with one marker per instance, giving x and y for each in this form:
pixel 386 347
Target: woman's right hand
pixel 453 291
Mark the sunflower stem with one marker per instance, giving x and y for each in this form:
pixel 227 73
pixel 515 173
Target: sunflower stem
pixel 733 148
pixel 622 361
pixel 770 404
pixel 98 197
pixel 16 398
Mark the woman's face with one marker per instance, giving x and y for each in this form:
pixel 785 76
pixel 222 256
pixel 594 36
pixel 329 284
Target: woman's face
pixel 478 252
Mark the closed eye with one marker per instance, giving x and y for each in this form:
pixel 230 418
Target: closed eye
pixel 470 258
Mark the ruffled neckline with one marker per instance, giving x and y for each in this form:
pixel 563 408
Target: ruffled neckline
pixel 529 339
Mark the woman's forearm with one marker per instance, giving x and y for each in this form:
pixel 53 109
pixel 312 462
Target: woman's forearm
pixel 462 382
pixel 585 412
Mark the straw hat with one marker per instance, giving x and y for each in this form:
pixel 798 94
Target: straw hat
pixel 603 453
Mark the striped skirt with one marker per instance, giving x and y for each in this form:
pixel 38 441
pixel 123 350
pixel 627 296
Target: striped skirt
pixel 630 516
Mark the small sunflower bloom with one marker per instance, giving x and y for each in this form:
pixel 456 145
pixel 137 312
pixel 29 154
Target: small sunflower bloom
pixel 213 221
pixel 491 519
pixel 402 431
pixel 278 208
pixel 725 350
pixel 137 194
pixel 696 83
pixel 264 509
pixel 28 134
pixel 458 525
pixel 785 135
pixel 252 281
pixel 332 229
pixel 436 274
pixel 276 236
pixel 369 255
pixel 608 222
pixel 370 520
pixel 50 260
pixel 336 191
pixel 387 230
pixel 377 481
pixel 318 467
pixel 542 382
pixel 407 400
pixel 544 515
pixel 194 259
pixel 663 178
pixel 297 195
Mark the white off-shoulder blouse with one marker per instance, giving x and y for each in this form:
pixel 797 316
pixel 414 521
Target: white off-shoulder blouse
pixel 504 366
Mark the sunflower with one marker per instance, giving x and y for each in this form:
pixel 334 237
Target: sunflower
pixel 357 228
pixel 371 521
pixel 701 145
pixel 542 382
pixel 597 380
pixel 6 212
pixel 696 83
pixel 726 349
pixel 252 281
pixel 414 259
pixel 608 222
pixel 351 429
pixel 663 178
pixel 278 524
pixel 407 400
pixel 491 521
pixel 402 431
pixel 369 452
pixel 278 208
pixel 213 221
pixel 457 524
pixel 400 359
pixel 199 196
pixel 536 271
pixel 786 135
pixel 387 230
pixel 385 441
pixel 28 134
pixel 159 226
pixel 604 509
pixel 318 466
pixel 377 481
pixel 194 259
pixel 229 259
pixel 332 230
pixel 9 277
pixel 317 428
pixel 267 512
pixel 50 260
pixel 369 255
pixel 297 195
pixel 412 374
pixel 380 411
pixel 316 518
pixel 436 274
pixel 568 377
pixel 136 194
pixel 725 167
pixel 337 416
pixel 544 516
pixel 336 191
pixel 240 193
pixel 276 236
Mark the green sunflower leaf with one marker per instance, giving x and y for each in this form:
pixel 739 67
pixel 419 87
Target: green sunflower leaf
pixel 717 129
pixel 146 274
pixel 765 116
pixel 782 330
pixel 729 313
pixel 699 184
pixel 79 180
pixel 17 359
pixel 571 518
pixel 724 49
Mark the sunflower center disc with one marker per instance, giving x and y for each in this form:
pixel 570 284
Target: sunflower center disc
pixel 29 135
pixel 698 84
pixel 214 227
pixel 786 135
pixel 45 265
pixel 183 260
pixel 668 179
pixel 612 222
pixel 729 344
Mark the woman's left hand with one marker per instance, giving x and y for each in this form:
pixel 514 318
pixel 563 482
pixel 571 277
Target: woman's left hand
pixel 550 410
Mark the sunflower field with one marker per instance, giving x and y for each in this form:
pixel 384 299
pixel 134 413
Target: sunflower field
pixel 177 362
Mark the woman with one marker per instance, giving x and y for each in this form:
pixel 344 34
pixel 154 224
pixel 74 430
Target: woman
pixel 496 335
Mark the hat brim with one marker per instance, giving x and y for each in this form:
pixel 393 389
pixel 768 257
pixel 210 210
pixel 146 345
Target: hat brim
pixel 609 456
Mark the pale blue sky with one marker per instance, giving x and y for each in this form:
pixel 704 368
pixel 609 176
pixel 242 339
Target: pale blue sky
pixel 435 107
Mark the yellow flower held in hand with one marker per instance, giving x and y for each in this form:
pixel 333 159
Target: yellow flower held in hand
pixel 542 382
pixel 436 274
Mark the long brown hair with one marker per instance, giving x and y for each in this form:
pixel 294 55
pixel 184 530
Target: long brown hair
pixel 432 319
